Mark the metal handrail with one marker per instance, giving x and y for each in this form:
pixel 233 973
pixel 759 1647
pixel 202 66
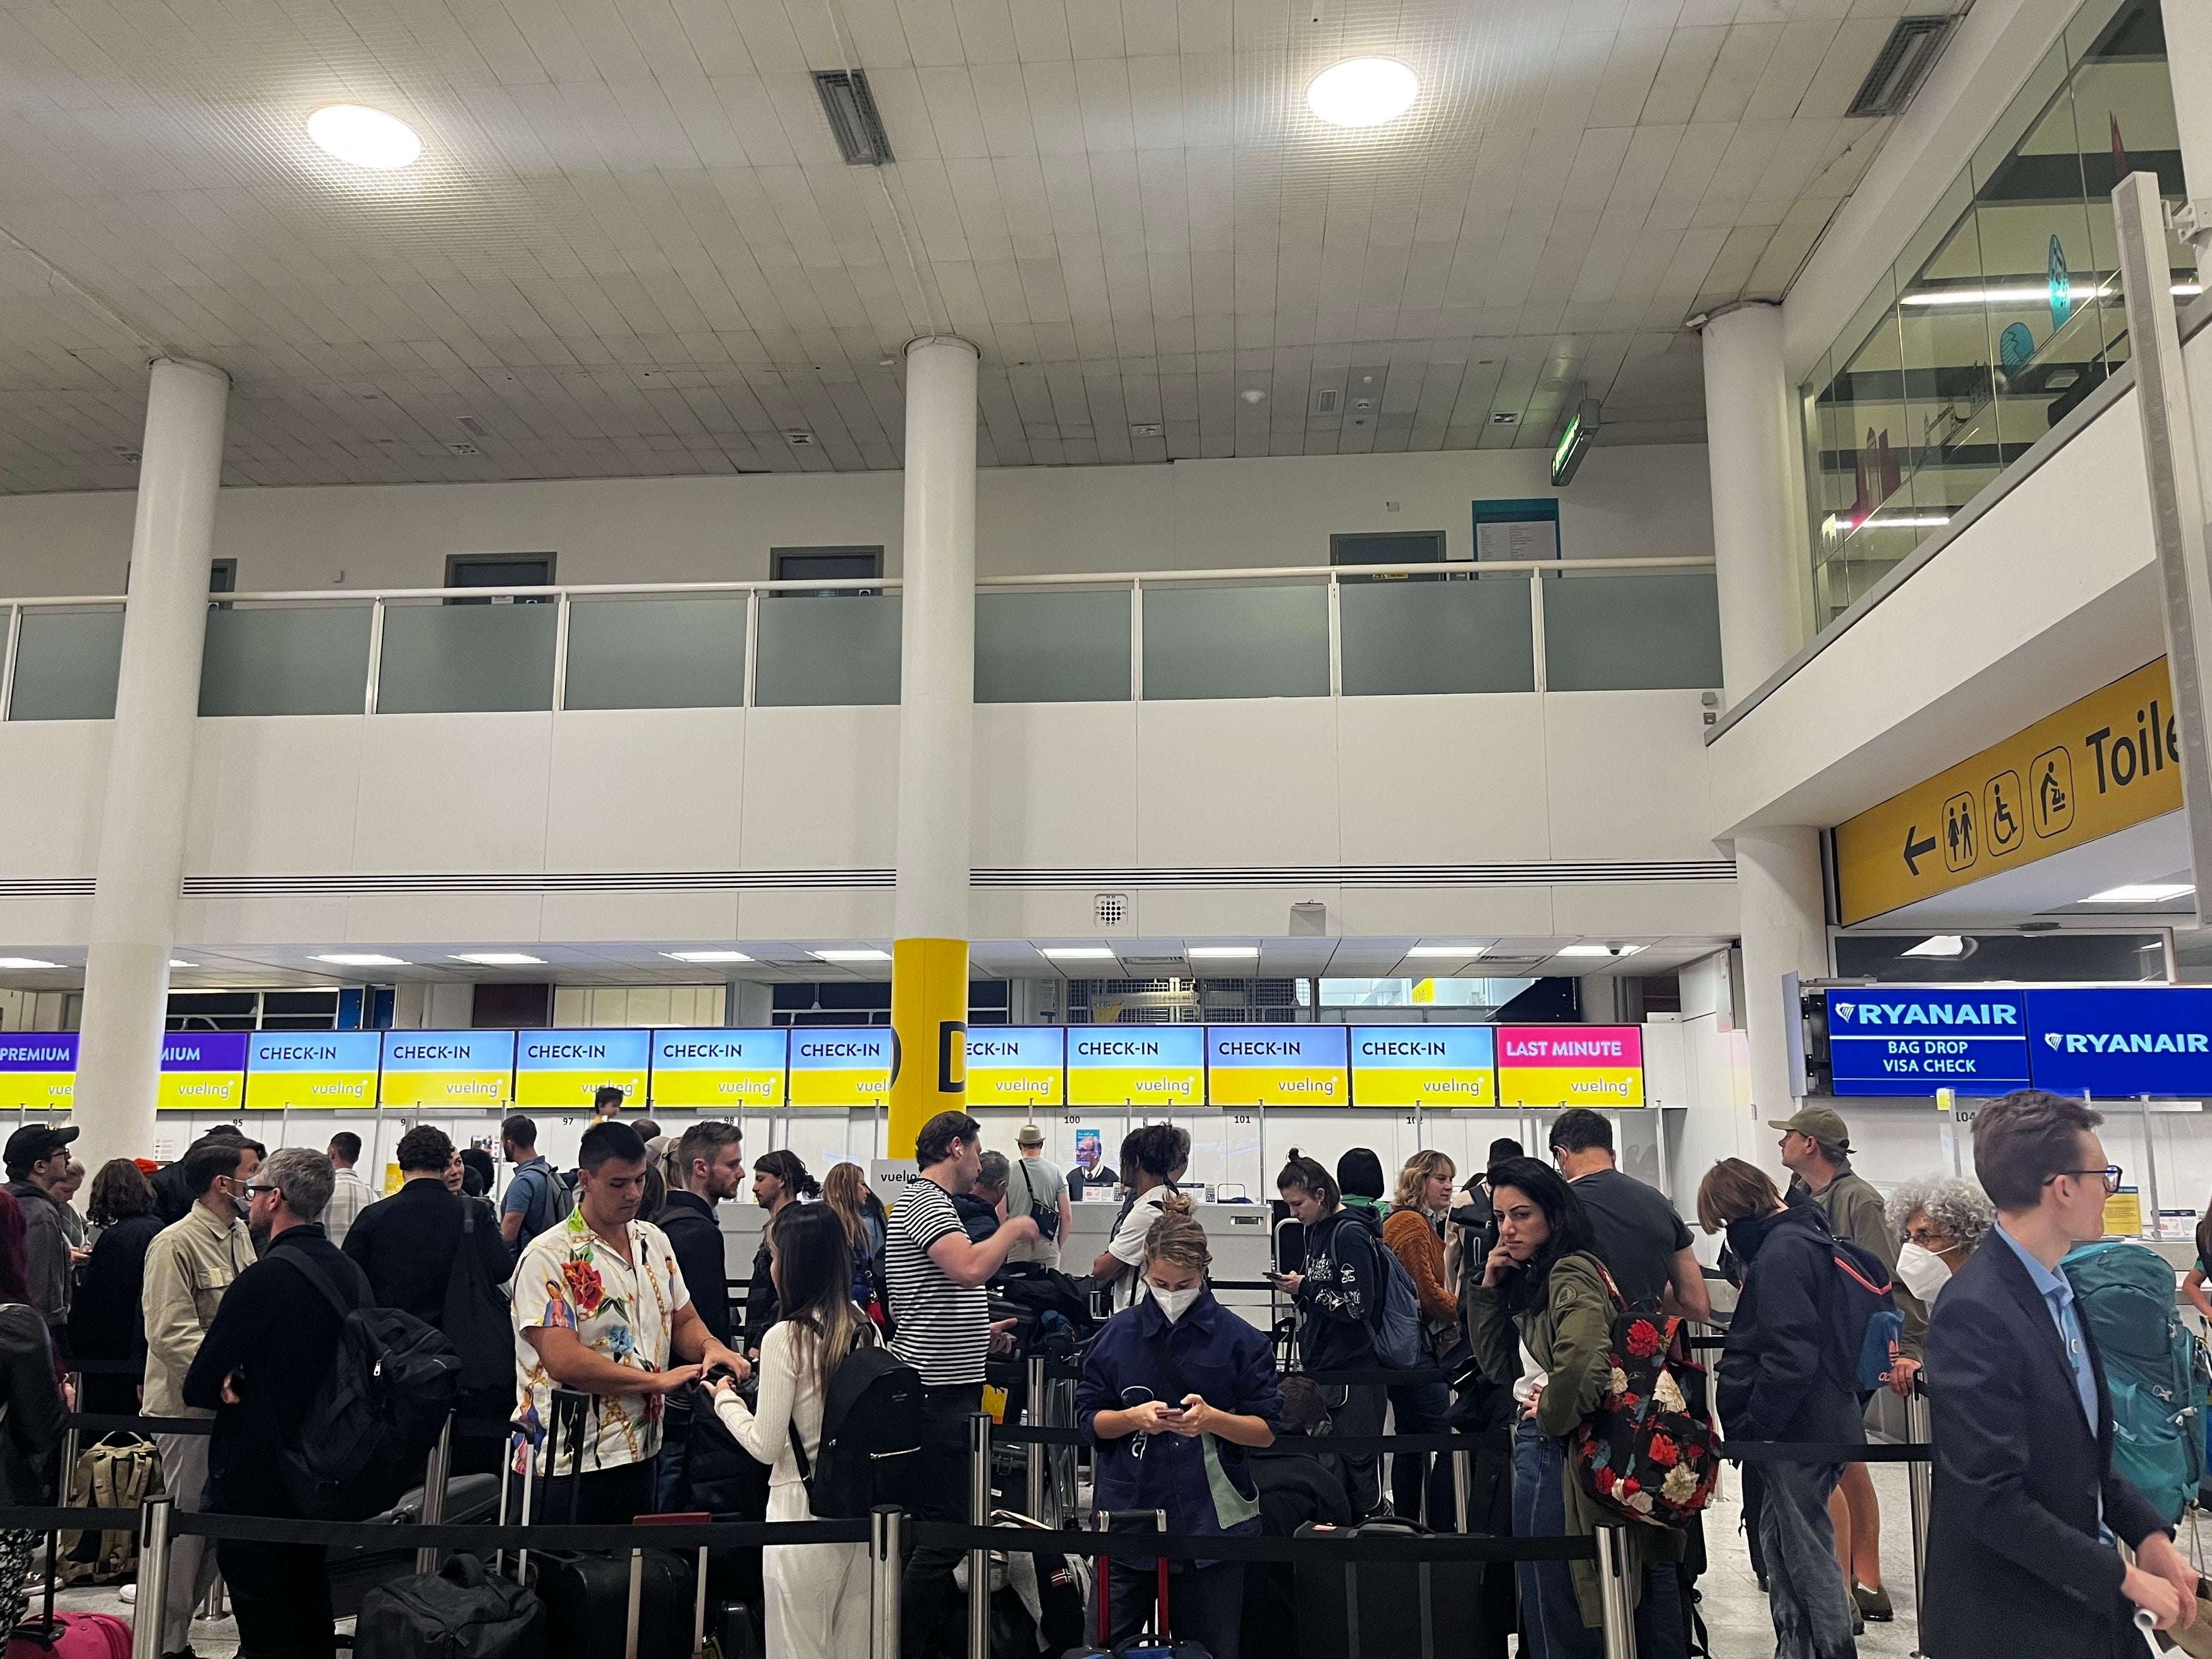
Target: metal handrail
pixel 1111 579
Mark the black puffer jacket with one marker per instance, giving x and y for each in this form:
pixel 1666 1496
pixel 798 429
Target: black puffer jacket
pixel 1782 1376
pixel 31 1420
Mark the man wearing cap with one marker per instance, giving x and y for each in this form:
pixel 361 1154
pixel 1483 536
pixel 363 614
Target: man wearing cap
pixel 1037 1189
pixel 37 1161
pixel 1816 1148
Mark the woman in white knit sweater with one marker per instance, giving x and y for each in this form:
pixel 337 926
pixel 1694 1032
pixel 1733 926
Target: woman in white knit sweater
pixel 817 1595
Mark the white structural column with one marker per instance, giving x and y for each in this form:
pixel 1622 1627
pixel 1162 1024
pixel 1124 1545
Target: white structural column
pixel 2188 64
pixel 1751 449
pixel 936 707
pixel 150 770
pixel 1758 548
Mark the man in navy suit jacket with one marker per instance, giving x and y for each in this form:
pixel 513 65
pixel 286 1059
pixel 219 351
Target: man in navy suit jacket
pixel 2021 1538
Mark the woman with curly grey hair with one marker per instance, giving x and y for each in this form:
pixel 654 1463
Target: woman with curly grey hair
pixel 1941 1220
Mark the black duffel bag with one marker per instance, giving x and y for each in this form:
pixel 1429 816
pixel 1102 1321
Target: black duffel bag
pixel 462 1612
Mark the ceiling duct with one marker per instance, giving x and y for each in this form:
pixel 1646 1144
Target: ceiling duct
pixel 1901 66
pixel 853 117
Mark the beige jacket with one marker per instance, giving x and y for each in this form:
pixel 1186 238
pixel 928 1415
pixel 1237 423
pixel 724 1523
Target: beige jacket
pixel 189 1266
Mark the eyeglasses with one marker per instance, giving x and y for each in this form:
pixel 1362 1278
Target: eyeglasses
pixel 255 1188
pixel 2111 1172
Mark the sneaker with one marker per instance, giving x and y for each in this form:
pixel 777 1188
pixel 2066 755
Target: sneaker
pixel 1873 1604
pixel 128 1595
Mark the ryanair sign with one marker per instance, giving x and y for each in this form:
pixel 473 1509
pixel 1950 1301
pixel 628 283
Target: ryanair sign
pixel 1895 1040
pixel 2109 1042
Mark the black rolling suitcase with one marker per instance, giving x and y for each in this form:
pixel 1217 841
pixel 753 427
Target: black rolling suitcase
pixel 605 1607
pixel 1155 1644
pixel 1387 1609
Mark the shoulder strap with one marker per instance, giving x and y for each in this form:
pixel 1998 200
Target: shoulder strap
pixel 315 1274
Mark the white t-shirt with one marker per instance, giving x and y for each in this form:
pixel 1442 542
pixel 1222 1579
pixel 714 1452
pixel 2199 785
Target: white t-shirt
pixel 1127 1245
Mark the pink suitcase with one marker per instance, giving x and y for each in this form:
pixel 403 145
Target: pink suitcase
pixel 76 1636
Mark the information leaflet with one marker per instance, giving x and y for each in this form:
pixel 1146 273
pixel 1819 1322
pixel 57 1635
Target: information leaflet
pixel 841 1065
pixel 1545 1067
pixel 38 1071
pixel 564 1070
pixel 1017 1064
pixel 447 1068
pixel 1887 1039
pixel 1136 1065
pixel 1276 1066
pixel 202 1071
pixel 302 1070
pixel 1433 1066
pixel 710 1070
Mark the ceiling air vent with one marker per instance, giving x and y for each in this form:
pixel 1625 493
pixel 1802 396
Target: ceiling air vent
pixel 1901 66
pixel 1110 910
pixel 853 117
pixel 473 427
pixel 1154 965
pixel 1324 404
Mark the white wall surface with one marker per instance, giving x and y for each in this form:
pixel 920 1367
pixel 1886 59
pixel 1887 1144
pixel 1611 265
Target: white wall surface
pixel 1630 501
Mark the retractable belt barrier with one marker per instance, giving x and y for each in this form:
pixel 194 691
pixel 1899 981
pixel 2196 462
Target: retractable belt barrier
pixel 112 1423
pixel 1736 1451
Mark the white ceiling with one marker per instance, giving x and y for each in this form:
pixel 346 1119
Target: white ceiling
pixel 262 965
pixel 631 247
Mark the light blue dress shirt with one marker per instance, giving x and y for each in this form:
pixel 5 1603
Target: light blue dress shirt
pixel 2057 1293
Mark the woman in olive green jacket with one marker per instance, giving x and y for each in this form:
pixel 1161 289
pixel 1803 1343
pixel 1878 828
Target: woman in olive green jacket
pixel 1542 1321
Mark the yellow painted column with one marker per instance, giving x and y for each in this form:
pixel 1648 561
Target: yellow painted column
pixel 937 713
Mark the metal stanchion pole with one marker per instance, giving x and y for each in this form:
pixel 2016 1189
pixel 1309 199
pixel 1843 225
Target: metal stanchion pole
pixel 979 1515
pixel 1920 1428
pixel 434 1492
pixel 153 1576
pixel 1620 1605
pixel 886 1570
pixel 1040 1416
pixel 1462 1479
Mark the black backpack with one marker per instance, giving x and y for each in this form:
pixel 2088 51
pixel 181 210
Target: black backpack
pixel 476 1317
pixel 376 1412
pixel 871 1450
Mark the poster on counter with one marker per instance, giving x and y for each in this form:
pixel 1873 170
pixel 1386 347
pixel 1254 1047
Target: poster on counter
pixel 1276 1066
pixel 202 1071
pixel 563 1070
pixel 1136 1065
pixel 447 1068
pixel 38 1071
pixel 311 1071
pixel 1543 1068
pixel 841 1065
pixel 1017 1064
pixel 706 1069
pixel 1431 1066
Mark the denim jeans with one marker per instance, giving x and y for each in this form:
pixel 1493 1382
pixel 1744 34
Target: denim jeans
pixel 1804 1585
pixel 1550 1617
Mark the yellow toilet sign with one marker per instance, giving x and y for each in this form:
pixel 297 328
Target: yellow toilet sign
pixel 2108 761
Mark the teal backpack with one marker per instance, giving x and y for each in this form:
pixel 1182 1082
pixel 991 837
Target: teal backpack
pixel 2125 1292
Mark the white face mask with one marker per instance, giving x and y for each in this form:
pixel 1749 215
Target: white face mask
pixel 1925 1273
pixel 1176 1304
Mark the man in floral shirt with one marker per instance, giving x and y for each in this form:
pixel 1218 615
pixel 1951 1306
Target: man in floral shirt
pixel 600 1307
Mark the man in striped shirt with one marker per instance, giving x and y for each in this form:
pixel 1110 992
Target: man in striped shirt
pixel 942 1314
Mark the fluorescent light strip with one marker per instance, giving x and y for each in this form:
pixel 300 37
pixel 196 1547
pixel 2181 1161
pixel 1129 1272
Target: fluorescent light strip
pixel 2027 296
pixel 174 962
pixel 850 955
pixel 1943 945
pixel 347 959
pixel 501 959
pixel 706 956
pixel 26 962
pixel 2148 892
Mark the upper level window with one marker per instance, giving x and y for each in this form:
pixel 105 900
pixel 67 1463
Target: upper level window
pixel 2003 313
pixel 809 564
pixel 500 570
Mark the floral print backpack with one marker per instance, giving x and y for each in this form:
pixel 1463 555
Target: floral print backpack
pixel 1647 1451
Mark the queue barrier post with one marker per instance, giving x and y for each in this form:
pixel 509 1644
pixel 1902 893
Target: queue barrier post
pixel 886 1567
pixel 1039 1414
pixel 979 1515
pixel 1919 1429
pixel 434 1493
pixel 1616 1593
pixel 1462 1480
pixel 153 1576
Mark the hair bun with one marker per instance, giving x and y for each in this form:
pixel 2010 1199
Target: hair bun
pixel 1178 1204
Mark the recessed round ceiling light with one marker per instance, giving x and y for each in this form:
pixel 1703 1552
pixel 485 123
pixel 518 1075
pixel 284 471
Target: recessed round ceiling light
pixel 366 137
pixel 1363 92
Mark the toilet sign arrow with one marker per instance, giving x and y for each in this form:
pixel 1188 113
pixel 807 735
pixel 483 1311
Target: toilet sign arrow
pixel 1915 850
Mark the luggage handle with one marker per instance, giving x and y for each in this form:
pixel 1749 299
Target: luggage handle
pixel 1100 1520
pixel 688 1518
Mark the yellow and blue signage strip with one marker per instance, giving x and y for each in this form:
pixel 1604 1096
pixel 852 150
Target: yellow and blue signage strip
pixel 311 1071
pixel 38 1071
pixel 716 1070
pixel 1276 1066
pixel 1017 1064
pixel 203 1071
pixel 565 1070
pixel 1544 1067
pixel 841 1065
pixel 1136 1065
pixel 1429 1066
pixel 447 1068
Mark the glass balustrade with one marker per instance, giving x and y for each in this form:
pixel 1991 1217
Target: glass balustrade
pixel 466 659
pixel 66 661
pixel 1242 639
pixel 1052 645
pixel 828 649
pixel 286 659
pixel 1626 631
pixel 1415 638
pixel 685 651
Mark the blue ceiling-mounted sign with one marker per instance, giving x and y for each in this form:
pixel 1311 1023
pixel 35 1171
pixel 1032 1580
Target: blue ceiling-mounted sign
pixel 2114 1042
pixel 1896 1040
